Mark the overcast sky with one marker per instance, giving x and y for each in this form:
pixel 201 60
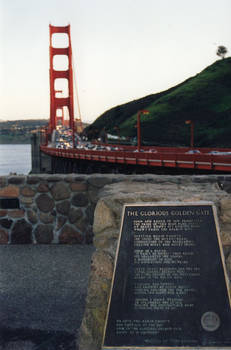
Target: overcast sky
pixel 123 49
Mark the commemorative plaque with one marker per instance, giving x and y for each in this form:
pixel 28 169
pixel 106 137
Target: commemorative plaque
pixel 170 287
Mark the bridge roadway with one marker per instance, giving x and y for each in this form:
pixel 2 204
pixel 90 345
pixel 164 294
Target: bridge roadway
pixel 169 157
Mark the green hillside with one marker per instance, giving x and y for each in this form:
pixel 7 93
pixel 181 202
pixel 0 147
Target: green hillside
pixel 204 99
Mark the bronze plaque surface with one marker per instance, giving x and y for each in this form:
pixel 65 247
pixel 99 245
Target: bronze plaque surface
pixel 170 287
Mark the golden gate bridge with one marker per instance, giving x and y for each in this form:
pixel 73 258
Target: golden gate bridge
pixel 78 157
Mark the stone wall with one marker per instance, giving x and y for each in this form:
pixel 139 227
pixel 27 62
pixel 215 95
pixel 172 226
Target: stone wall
pixel 60 208
pixel 52 208
pixel 107 220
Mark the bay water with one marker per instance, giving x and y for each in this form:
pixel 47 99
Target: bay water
pixel 15 159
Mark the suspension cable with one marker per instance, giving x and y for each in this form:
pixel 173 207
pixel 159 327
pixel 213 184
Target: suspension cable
pixel 76 87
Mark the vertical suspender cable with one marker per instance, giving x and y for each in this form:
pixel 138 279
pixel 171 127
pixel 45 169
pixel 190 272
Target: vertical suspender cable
pixel 76 91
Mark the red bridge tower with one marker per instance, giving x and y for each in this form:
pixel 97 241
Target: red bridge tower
pixel 57 103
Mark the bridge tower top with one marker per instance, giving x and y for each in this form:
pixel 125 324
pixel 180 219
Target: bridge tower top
pixel 59 102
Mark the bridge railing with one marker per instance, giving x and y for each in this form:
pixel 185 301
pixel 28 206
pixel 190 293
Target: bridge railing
pixel 160 158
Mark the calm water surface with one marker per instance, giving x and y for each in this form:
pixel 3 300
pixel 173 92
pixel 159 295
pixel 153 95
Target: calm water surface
pixel 15 159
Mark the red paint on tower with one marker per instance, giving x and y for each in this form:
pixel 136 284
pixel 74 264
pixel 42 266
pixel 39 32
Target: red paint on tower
pixel 55 102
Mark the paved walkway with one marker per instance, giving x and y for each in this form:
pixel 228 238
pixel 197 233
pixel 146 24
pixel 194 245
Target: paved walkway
pixel 42 295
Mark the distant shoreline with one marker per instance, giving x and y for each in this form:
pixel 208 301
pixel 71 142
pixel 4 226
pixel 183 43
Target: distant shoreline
pixel 20 131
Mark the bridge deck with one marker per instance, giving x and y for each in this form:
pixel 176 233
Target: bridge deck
pixel 161 157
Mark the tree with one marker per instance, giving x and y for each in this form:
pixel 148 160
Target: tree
pixel 221 51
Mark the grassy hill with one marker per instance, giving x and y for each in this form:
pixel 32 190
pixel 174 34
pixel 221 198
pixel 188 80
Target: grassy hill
pixel 204 99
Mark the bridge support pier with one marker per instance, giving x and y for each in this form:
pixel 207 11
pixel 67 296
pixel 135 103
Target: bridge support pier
pixel 40 162
pixel 35 154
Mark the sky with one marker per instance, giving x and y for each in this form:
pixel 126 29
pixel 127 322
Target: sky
pixel 122 49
